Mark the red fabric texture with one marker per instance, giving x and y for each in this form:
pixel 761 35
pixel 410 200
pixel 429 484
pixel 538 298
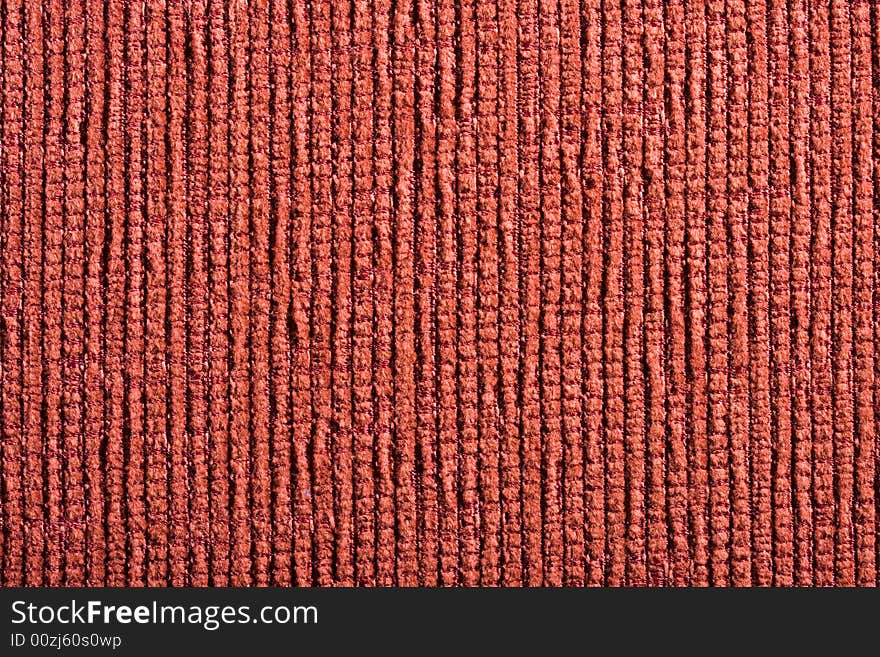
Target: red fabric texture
pixel 484 292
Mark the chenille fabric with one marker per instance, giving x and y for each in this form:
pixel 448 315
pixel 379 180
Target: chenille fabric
pixel 439 292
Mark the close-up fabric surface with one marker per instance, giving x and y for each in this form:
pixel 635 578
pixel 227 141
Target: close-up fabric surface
pixel 439 292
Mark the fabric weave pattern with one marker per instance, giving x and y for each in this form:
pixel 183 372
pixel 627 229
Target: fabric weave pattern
pixel 473 292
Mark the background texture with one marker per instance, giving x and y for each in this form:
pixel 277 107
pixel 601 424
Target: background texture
pixel 439 292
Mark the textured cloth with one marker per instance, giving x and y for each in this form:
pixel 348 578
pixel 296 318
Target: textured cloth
pixel 441 292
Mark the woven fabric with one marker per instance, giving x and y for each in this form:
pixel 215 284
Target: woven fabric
pixel 439 292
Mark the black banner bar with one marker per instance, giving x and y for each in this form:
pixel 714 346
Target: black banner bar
pixel 434 621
